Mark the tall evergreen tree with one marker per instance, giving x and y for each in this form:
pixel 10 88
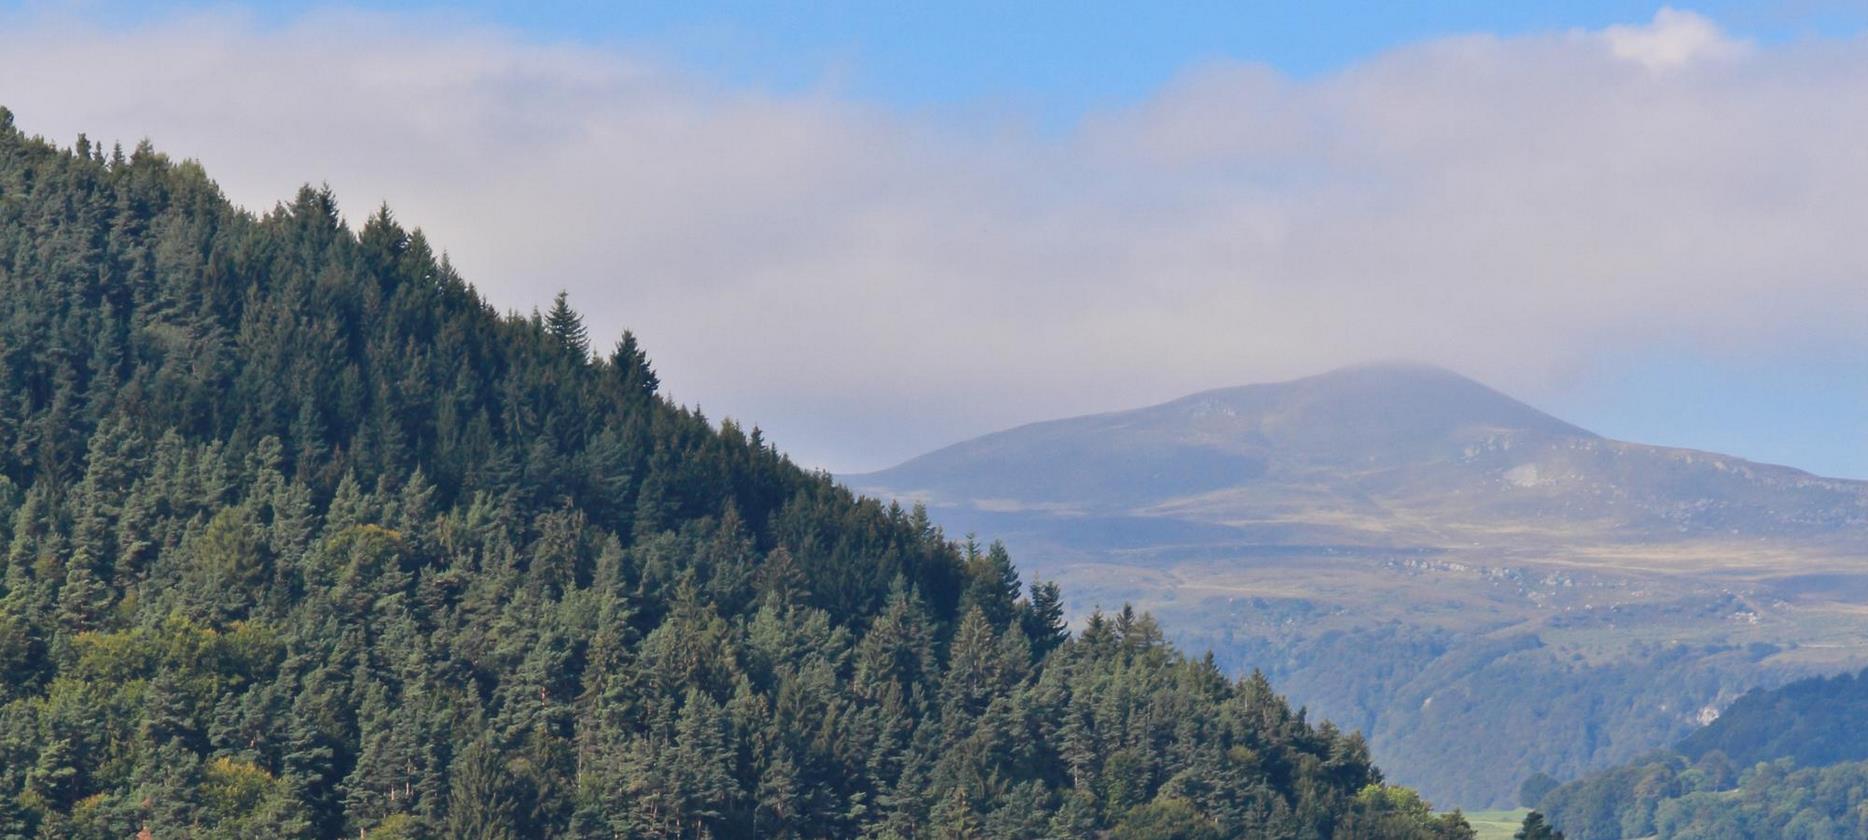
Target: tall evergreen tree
pixel 566 327
pixel 480 801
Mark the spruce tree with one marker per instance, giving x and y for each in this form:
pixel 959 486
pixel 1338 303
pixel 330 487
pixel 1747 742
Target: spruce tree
pixel 566 327
pixel 480 801
pixel 1044 618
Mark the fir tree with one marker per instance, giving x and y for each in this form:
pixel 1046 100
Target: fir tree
pixel 566 327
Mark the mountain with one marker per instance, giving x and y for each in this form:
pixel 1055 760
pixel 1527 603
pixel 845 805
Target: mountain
pixel 1791 762
pixel 1488 590
pixel 1378 455
pixel 303 539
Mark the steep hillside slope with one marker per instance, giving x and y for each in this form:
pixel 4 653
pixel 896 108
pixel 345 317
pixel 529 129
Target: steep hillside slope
pixel 302 539
pixel 1814 723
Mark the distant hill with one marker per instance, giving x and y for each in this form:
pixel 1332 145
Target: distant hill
pixel 1377 454
pixel 1814 723
pixel 1796 756
pixel 1488 590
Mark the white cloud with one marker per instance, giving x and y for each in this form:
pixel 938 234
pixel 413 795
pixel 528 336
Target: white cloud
pixel 868 284
pixel 1674 39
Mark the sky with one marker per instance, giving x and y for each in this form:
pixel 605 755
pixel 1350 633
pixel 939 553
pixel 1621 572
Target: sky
pixel 875 229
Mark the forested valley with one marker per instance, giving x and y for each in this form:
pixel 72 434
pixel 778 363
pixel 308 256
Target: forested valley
pixel 1788 763
pixel 303 538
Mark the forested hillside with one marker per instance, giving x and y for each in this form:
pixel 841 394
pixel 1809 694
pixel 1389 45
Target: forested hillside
pixel 1811 722
pixel 1792 762
pixel 302 538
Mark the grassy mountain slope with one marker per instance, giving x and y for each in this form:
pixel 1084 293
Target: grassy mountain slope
pixel 1379 454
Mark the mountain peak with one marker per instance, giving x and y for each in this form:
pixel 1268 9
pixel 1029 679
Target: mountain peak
pixel 1381 405
pixel 1395 368
pixel 1385 413
pixel 1398 441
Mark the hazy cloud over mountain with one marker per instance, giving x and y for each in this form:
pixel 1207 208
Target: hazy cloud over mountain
pixel 1520 209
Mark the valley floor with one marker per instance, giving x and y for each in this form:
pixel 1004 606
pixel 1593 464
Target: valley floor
pixel 1496 825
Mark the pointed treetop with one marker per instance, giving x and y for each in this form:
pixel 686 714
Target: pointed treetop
pixel 565 325
pixel 631 365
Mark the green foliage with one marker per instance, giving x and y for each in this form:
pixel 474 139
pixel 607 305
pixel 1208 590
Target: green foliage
pixel 1535 788
pixel 303 539
pixel 1469 719
pixel 1774 800
pixel 1536 829
pixel 1384 812
pixel 1166 819
pixel 1812 722
pixel 1674 799
pixel 1695 791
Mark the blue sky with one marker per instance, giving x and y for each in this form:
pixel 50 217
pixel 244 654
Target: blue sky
pixel 1808 412
pixel 1074 56
pixel 1061 58
pixel 949 168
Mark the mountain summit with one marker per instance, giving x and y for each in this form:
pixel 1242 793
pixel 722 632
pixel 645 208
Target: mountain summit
pixel 1375 451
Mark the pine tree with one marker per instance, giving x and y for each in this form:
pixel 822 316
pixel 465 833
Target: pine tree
pixel 16 821
pixel 54 778
pixel 896 656
pixel 779 806
pixel 308 768
pixel 992 584
pixel 480 801
pixel 1044 618
pixel 780 580
pixel 701 764
pixel 84 598
pixel 973 669
pixel 168 712
pixel 634 375
pixel 567 327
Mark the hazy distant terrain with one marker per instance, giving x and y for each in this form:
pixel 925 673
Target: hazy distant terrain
pixel 1487 590
pixel 1789 762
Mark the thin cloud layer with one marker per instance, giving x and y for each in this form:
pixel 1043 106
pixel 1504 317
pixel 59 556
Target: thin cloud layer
pixel 868 284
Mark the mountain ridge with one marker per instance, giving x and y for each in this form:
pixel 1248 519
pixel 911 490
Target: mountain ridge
pixel 1407 434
